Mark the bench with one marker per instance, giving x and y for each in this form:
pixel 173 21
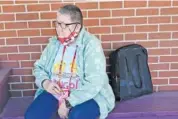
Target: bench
pixel 159 105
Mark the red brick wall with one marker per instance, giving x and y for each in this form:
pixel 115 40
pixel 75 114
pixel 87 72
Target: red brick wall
pixel 26 26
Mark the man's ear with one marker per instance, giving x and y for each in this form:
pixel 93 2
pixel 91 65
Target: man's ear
pixel 78 28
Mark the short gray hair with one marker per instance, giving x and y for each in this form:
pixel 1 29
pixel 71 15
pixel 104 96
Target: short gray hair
pixel 74 12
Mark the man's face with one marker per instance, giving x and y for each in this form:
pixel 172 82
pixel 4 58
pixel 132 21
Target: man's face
pixel 64 25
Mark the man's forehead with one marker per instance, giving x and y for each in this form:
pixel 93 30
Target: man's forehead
pixel 63 18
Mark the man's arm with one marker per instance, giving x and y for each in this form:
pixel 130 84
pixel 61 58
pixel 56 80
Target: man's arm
pixel 39 71
pixel 95 74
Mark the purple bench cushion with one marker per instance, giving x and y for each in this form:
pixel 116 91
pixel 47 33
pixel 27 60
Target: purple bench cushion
pixel 160 105
pixel 16 107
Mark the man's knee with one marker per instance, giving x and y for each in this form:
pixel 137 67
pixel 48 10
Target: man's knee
pixel 29 114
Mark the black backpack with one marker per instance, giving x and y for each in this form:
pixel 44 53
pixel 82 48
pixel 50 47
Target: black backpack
pixel 130 74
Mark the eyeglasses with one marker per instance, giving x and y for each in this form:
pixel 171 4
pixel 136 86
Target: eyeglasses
pixel 63 25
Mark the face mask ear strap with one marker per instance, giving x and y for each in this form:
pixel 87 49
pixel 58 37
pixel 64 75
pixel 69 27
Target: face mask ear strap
pixel 74 28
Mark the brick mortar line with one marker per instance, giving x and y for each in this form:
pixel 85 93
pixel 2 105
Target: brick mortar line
pixel 26 44
pixel 163 77
pixel 41 47
pixel 20 53
pixel 157 78
pixel 168 85
pixel 126 25
pixel 39 15
pixel 158 63
pixel 30 37
pixel 131 8
pixel 93 9
pixel 161 85
pixel 102 26
pixel 98 5
pixel 26 9
pixel 86 14
pixel 33 83
pixel 93 34
pixel 21 83
pixel 50 7
pixel 21 75
pixel 97 34
pixel 23 90
pixel 159 44
pixel 84 9
pixel 15 61
pixel 31 68
pixel 147 3
pixel 172 3
pixel 31 55
pixel 159 11
pixel 21 79
pixel 126 41
pixel 169 81
pixel 27 24
pixel 94 18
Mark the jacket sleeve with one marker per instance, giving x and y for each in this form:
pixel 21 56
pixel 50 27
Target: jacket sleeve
pixel 95 74
pixel 39 70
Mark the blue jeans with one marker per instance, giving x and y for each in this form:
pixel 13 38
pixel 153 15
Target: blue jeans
pixel 45 106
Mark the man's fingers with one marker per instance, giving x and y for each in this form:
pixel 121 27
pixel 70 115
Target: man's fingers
pixel 58 89
pixel 52 90
pixel 56 85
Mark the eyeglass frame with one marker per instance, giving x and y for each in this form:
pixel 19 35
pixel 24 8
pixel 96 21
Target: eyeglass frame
pixel 66 25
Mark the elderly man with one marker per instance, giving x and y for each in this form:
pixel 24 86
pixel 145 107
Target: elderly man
pixel 71 73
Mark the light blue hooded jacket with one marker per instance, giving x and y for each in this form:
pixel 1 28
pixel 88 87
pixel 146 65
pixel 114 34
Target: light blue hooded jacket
pixel 91 68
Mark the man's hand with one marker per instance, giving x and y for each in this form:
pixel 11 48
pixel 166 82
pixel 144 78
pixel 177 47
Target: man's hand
pixel 51 87
pixel 63 111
